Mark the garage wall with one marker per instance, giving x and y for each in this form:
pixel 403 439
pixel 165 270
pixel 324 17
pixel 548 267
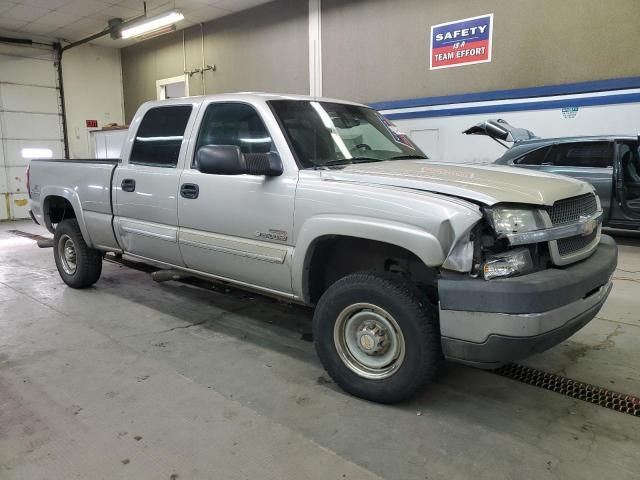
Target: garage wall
pixel 29 118
pixel 261 49
pixel 93 91
pixel 148 61
pixel 378 50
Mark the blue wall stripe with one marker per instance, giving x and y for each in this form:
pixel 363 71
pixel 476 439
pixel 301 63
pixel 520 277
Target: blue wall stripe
pixel 517 107
pixel 543 91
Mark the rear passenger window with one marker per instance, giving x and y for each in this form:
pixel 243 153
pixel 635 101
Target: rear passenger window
pixel 585 154
pixel 160 135
pixel 537 157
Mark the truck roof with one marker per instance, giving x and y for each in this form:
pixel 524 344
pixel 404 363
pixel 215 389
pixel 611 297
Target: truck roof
pixel 249 97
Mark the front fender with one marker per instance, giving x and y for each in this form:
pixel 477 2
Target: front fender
pixel 426 246
pixel 72 197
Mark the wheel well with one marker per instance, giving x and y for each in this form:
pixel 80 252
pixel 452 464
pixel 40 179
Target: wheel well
pixel 56 209
pixel 335 257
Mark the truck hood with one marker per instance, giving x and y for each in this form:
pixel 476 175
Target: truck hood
pixel 487 184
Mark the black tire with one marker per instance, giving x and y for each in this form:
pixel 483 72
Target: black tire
pixel 88 262
pixel 412 313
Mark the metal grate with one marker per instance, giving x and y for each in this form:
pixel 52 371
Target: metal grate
pixel 571 245
pixel 603 397
pixel 568 211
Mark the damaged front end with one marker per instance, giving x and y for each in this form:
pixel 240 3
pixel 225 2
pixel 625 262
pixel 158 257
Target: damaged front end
pixel 538 275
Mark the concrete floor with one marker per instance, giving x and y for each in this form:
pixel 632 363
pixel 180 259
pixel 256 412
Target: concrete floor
pixel 134 379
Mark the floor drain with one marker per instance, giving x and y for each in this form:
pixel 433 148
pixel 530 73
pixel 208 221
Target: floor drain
pixel 603 397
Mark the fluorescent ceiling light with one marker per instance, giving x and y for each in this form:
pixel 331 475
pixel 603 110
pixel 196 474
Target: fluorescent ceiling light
pixel 157 32
pixel 151 24
pixel 36 153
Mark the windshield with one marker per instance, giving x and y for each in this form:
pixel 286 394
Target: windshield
pixel 327 134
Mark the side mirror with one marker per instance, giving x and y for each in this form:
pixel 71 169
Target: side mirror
pixel 221 160
pixel 229 160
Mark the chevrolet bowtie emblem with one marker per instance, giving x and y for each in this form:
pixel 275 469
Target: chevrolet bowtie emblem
pixel 589 225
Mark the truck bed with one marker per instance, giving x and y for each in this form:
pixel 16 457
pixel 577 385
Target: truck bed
pixel 86 184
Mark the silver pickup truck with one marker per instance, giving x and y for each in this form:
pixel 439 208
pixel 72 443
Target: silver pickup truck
pixel 326 203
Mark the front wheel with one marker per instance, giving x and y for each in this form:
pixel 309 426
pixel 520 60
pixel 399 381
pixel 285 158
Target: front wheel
pixel 79 265
pixel 377 337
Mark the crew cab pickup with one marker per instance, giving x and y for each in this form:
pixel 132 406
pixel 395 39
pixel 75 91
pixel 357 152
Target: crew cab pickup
pixel 326 203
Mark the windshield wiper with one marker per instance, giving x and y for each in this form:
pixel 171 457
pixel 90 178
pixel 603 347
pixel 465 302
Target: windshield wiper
pixel 349 161
pixel 408 157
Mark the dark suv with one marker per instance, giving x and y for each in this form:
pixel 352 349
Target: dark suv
pixel 610 163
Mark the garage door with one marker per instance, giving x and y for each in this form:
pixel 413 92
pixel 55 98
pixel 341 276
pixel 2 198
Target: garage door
pixel 30 123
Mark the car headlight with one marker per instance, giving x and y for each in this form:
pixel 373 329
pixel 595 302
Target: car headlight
pixel 507 264
pixel 505 220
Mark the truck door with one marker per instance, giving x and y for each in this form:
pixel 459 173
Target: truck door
pixel 146 187
pixel 237 226
pixel 590 161
pixel 627 183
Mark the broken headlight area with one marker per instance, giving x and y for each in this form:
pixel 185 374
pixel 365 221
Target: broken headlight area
pixel 494 257
pixel 507 264
pixel 508 220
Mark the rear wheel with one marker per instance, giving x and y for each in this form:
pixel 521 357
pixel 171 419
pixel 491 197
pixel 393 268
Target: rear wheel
pixel 377 337
pixel 78 265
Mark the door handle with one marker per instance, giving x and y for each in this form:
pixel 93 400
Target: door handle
pixel 189 190
pixel 128 185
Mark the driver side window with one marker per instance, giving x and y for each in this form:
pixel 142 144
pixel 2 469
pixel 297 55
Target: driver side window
pixel 236 124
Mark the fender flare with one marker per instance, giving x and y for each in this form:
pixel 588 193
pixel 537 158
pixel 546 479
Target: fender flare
pixel 427 247
pixel 72 197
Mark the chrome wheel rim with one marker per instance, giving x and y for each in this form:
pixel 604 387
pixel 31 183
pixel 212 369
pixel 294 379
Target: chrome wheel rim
pixel 67 254
pixel 369 341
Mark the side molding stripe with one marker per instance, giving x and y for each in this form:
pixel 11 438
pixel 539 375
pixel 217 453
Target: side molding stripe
pixel 148 229
pixel 258 250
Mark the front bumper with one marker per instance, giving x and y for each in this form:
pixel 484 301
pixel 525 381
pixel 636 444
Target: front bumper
pixel 489 323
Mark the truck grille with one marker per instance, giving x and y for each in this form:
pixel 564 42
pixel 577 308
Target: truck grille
pixel 568 211
pixel 571 245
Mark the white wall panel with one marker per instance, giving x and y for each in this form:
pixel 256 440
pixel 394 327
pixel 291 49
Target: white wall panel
pixel 17 179
pixel 93 82
pixel 13 150
pixel 24 70
pixel 25 98
pixel 452 146
pixel 2 147
pixel 29 118
pixel 31 126
pixel 4 185
pixel 19 205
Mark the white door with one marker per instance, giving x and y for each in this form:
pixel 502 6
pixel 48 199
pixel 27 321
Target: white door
pixel 427 140
pixel 30 122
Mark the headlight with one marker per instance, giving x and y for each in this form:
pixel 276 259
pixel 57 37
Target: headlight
pixel 507 264
pixel 505 220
